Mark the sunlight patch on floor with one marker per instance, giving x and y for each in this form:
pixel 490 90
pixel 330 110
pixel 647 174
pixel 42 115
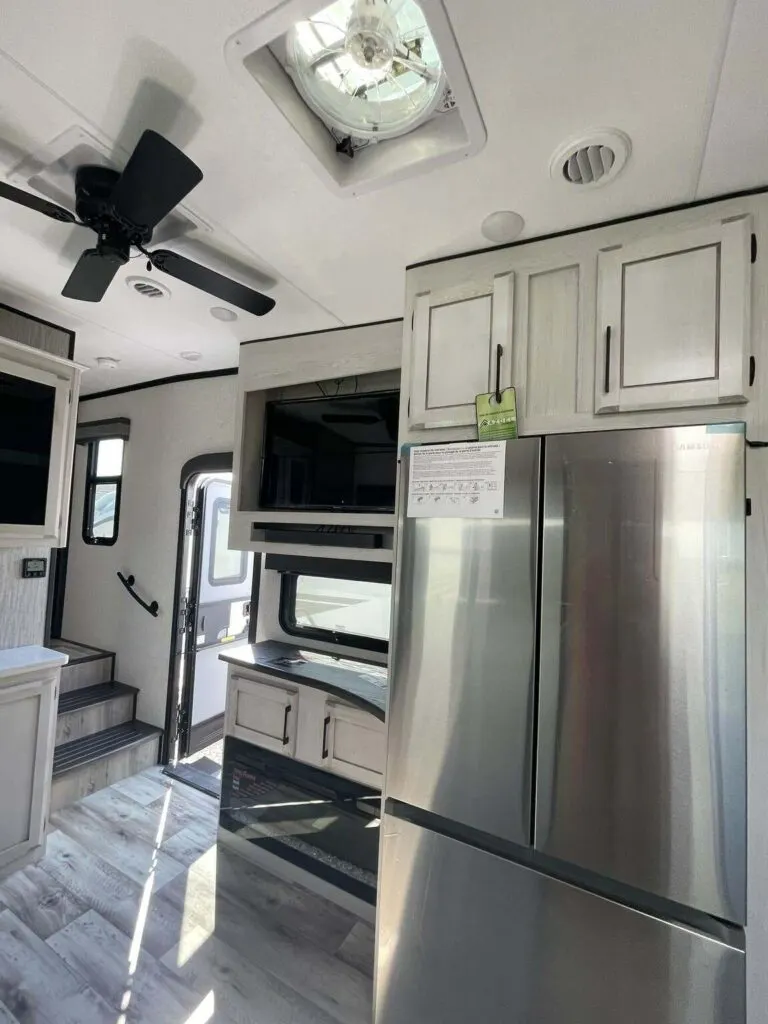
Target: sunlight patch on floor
pixel 199 917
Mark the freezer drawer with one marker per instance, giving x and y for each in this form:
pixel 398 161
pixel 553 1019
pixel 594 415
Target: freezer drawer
pixel 465 936
pixel 461 703
pixel 641 746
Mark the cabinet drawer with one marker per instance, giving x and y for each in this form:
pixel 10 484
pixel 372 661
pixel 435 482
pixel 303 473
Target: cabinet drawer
pixel 354 744
pixel 263 714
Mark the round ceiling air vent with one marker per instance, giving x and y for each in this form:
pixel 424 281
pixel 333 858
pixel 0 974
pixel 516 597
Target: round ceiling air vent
pixel 593 159
pixel 149 289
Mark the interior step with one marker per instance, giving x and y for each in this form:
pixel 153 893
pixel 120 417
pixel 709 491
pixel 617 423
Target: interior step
pixel 87 665
pixel 93 709
pixel 93 762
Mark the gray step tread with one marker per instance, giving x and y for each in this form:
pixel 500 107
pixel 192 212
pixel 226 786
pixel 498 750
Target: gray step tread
pixel 100 745
pixel 89 696
pixel 79 654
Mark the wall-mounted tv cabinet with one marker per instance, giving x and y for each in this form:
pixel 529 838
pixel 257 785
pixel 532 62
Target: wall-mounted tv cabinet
pixel 355 373
pixel 38 415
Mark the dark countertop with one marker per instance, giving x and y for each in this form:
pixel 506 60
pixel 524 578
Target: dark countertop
pixel 355 681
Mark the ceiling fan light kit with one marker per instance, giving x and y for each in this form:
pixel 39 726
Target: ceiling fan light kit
pixel 375 91
pixel 123 209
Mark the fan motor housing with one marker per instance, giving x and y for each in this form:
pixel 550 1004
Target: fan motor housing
pixel 94 186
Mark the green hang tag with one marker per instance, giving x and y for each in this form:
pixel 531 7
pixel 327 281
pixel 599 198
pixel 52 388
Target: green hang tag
pixel 497 421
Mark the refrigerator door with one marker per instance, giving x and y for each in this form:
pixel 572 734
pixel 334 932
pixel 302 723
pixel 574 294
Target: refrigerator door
pixel 461 703
pixel 641 746
pixel 466 936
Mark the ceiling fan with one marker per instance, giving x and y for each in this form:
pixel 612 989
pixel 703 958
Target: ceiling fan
pixel 124 209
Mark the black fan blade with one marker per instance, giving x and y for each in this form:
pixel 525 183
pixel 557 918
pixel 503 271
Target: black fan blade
pixel 16 195
pixel 93 274
pixel 214 284
pixel 155 179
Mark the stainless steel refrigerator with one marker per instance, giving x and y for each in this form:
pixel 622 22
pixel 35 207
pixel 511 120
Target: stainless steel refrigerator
pixel 565 836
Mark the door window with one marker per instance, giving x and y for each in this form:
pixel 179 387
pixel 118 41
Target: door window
pixel 225 567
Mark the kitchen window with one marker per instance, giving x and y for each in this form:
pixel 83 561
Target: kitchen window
pixel 103 490
pixel 351 612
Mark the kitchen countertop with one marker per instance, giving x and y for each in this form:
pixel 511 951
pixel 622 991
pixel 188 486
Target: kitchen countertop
pixel 18 661
pixel 357 682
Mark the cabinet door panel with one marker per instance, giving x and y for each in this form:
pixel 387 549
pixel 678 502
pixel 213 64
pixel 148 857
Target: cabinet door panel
pixel 670 318
pixel 355 744
pixel 27 727
pixel 551 341
pixel 454 339
pixel 263 714
pixel 674 319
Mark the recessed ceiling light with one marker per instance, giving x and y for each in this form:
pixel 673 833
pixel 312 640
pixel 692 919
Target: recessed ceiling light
pixel 222 313
pixel 191 357
pixel 107 362
pixel 502 226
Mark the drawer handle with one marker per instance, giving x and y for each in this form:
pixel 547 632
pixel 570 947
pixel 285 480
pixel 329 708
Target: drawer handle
pixel 286 737
pixel 607 380
pixel 326 723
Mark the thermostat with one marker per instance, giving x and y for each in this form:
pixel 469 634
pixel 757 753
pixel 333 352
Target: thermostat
pixel 34 568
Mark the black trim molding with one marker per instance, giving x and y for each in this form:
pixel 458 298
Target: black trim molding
pixel 229 371
pixel 324 330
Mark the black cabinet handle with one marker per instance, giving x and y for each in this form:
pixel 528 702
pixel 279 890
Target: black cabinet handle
pixel 286 737
pixel 326 723
pixel 752 368
pixel 499 353
pixel 607 380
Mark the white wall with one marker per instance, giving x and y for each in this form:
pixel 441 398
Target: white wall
pixel 170 424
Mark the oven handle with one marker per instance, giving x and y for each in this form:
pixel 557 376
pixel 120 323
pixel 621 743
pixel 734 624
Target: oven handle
pixel 286 737
pixel 326 723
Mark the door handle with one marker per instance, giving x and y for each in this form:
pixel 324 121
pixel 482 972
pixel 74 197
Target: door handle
pixel 286 737
pixel 607 379
pixel 326 723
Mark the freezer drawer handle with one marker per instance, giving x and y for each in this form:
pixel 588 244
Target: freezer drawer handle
pixel 499 354
pixel 607 380
pixel 326 723
pixel 286 737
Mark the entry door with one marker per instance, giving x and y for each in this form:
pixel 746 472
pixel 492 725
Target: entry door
pixel 217 613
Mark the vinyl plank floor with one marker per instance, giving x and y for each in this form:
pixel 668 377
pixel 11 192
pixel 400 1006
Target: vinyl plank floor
pixel 40 901
pixel 125 921
pixel 130 981
pixel 37 986
pixel 116 843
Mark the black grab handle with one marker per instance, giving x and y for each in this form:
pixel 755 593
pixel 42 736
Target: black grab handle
pixel 128 582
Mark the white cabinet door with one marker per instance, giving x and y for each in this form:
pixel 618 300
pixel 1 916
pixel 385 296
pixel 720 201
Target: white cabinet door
pixel 263 714
pixel 27 732
pixel 673 319
pixel 455 354
pixel 354 744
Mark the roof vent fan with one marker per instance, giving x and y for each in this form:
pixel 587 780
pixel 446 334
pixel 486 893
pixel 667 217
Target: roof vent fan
pixel 591 160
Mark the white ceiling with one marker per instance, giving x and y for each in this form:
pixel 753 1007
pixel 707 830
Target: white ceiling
pixel 685 81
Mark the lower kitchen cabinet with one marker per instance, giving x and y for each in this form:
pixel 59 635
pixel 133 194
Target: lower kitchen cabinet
pixel 303 722
pixel 27 736
pixel 354 744
pixel 262 713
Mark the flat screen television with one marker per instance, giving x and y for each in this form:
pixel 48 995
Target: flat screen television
pixel 331 454
pixel 26 432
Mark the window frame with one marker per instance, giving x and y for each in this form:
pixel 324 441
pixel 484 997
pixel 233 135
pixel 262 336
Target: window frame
pixel 224 581
pixel 91 482
pixel 287 617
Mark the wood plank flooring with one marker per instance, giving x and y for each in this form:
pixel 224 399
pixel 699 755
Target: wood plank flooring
pixel 136 916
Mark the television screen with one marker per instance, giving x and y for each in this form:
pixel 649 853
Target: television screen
pixel 331 454
pixel 26 430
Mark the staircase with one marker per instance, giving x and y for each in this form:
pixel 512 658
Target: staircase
pixel 98 738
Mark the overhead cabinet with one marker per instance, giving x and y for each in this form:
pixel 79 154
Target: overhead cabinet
pixel 460 348
pixel 38 414
pixel 673 319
